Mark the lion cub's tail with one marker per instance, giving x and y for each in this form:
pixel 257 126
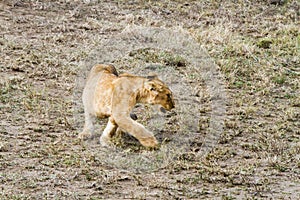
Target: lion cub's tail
pixel 100 67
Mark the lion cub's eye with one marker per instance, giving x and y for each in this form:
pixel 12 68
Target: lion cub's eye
pixel 152 89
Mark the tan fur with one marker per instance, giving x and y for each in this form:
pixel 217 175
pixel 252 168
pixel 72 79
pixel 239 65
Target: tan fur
pixel 107 95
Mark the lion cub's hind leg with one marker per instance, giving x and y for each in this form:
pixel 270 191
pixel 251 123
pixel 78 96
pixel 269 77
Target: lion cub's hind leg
pixel 109 131
pixel 88 127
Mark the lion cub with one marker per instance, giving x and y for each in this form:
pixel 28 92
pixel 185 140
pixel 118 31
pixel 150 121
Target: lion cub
pixel 109 95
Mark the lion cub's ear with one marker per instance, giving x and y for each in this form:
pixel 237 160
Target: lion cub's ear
pixel 151 76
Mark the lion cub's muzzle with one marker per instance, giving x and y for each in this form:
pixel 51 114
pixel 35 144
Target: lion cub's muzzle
pixel 168 107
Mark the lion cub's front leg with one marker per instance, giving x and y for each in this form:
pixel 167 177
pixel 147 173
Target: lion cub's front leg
pixel 122 104
pixel 137 130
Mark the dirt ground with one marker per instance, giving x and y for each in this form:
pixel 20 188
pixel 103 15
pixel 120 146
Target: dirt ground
pixel 234 68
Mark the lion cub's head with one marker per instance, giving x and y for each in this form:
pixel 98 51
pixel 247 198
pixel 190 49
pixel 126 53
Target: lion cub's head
pixel 159 93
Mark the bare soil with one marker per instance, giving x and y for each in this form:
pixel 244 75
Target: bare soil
pixel 46 48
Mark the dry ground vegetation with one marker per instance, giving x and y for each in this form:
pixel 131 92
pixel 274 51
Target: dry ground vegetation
pixel 256 47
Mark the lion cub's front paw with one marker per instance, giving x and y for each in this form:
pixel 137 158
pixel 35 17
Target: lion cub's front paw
pixel 84 135
pixel 149 142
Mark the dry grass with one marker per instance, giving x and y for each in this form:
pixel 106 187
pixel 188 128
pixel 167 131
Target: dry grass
pixel 256 47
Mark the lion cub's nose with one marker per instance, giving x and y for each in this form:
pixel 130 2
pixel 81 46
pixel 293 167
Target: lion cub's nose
pixel 173 106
